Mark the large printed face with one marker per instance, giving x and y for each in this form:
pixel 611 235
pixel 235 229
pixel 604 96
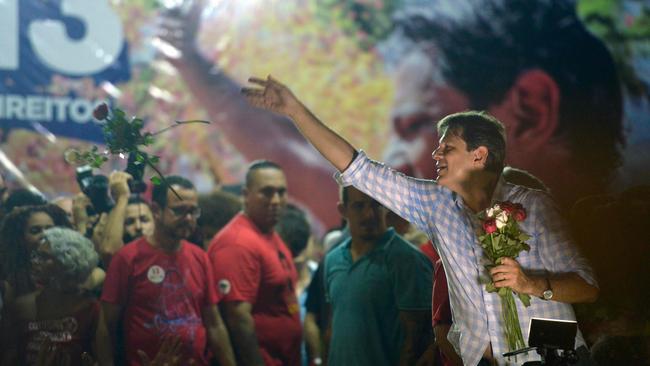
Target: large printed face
pixel 422 98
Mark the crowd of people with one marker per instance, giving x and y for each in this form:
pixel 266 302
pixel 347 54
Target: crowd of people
pixel 169 276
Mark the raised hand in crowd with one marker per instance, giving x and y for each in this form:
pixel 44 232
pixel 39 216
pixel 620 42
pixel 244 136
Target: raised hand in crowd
pixel 113 232
pixel 79 214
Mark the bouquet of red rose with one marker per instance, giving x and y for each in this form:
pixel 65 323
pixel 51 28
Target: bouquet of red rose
pixel 503 238
pixel 123 137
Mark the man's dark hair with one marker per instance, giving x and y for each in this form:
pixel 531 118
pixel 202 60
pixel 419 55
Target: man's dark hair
pixel 23 197
pixel 478 129
pixel 294 229
pixel 159 193
pixel 257 165
pixel 217 209
pixel 137 199
pixel 485 45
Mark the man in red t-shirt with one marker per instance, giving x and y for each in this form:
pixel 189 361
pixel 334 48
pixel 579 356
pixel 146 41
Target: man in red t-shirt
pixel 161 286
pixel 255 274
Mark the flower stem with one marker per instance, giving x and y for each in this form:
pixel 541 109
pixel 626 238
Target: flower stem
pixel 178 123
pixel 162 177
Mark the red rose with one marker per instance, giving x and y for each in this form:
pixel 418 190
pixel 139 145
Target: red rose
pixel 520 214
pixel 101 112
pixel 508 207
pixel 490 226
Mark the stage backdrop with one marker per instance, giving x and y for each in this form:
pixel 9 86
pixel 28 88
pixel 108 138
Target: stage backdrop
pixel 350 61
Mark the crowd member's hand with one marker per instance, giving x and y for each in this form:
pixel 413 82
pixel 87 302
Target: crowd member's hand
pixel 272 95
pixel 79 214
pixel 118 183
pixel 178 27
pixel 99 229
pixel 169 354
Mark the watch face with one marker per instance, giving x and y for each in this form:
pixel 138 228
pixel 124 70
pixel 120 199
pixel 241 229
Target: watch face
pixel 548 294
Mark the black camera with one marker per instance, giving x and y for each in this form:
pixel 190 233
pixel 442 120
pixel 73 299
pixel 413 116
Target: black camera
pixel 136 169
pixel 95 187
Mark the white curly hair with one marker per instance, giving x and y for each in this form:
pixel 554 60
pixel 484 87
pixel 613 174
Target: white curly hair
pixel 74 251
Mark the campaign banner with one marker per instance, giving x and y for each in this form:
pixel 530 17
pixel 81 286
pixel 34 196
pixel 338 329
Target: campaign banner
pixel 43 41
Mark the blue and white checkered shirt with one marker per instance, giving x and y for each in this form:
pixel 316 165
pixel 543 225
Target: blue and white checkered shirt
pixel 453 228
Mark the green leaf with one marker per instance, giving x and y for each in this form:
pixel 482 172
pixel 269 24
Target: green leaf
pixel 155 180
pixel 137 123
pixel 503 291
pixel 525 299
pixel 139 158
pixel 154 159
pixel 118 114
pixel 490 287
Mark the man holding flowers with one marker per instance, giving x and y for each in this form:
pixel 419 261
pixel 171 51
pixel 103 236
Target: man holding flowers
pixel 469 161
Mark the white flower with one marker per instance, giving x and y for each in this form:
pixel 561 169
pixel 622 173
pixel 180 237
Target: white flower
pixel 494 210
pixel 502 219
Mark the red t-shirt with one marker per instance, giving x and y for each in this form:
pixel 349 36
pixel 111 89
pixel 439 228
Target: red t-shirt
pixel 71 335
pixel 257 268
pixel 440 307
pixel 162 294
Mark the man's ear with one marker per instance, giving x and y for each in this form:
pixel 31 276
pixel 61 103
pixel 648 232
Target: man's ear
pixel 341 208
pixel 480 155
pixel 530 110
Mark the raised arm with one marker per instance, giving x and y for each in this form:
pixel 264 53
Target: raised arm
pixel 114 230
pixel 276 97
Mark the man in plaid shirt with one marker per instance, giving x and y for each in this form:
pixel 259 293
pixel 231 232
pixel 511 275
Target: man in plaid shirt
pixel 469 161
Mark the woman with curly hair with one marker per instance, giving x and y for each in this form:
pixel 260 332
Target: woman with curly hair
pixel 20 234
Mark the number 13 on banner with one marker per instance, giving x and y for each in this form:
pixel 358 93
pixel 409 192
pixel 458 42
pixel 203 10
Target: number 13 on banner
pixel 99 47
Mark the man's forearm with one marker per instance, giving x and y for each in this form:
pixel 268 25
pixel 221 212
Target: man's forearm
pixel 244 340
pixel 218 339
pixel 219 344
pixel 567 287
pixel 331 145
pixel 114 230
pixel 312 337
pixel 418 335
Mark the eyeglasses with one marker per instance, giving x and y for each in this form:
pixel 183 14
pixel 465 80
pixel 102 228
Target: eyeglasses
pixel 184 211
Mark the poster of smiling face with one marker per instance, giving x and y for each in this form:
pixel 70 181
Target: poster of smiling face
pixel 381 73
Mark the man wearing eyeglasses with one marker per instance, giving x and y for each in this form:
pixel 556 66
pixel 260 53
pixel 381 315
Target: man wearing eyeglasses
pixel 161 286
pixel 256 275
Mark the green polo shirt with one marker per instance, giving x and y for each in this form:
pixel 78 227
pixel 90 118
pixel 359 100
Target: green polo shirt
pixel 367 296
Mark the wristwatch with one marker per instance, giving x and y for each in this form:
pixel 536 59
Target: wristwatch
pixel 548 293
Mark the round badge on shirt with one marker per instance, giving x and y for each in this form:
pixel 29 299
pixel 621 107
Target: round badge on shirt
pixel 224 286
pixel 156 274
